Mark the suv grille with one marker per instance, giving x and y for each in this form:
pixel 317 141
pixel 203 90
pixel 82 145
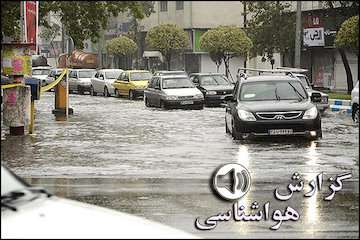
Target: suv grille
pixel 279 115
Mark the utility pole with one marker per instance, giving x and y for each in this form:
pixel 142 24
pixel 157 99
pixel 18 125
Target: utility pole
pixel 298 35
pixel 244 3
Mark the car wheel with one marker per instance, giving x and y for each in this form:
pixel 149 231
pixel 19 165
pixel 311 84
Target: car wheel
pixel 147 104
pixel 234 133
pixel 80 91
pixel 131 95
pixel 117 94
pixel 106 92
pixel 356 115
pixel 226 127
pixel 92 92
pixel 162 105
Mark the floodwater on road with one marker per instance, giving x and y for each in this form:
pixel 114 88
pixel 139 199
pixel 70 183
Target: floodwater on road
pixel 157 164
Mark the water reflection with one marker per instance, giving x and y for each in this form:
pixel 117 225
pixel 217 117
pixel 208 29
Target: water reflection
pixel 243 156
pixel 312 155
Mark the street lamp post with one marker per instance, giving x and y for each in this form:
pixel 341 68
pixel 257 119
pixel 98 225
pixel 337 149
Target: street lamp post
pixel 298 35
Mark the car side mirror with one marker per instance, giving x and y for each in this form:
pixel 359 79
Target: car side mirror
pixel 316 97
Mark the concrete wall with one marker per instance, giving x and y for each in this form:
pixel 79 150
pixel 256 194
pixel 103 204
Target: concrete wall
pixel 339 70
pixel 207 65
pixel 197 14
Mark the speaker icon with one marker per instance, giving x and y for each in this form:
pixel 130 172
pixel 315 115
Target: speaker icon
pixel 240 181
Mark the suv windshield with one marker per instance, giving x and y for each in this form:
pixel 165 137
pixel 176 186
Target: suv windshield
pixel 272 90
pixel 213 80
pixel 140 76
pixel 41 72
pixel 177 83
pixel 86 74
pixel 113 74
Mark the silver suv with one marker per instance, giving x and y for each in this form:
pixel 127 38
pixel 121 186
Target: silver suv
pixel 173 92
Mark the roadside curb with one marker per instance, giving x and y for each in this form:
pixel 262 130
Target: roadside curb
pixel 339 105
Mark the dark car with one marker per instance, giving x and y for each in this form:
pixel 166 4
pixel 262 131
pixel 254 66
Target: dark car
pixel 265 106
pixel 214 86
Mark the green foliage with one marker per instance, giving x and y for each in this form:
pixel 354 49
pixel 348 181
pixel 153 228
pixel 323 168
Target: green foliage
pixel 121 46
pixel 10 19
pixel 348 35
pixel 168 39
pixel 84 19
pixel 225 42
pixel 271 28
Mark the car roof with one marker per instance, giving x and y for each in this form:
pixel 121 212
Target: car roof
pixel 110 69
pixel 172 76
pixel 262 78
pixel 41 67
pixel 209 73
pixel 134 71
pixel 175 71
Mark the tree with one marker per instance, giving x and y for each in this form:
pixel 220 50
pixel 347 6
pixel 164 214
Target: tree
pixel 121 46
pixel 10 19
pixel 49 34
pixel 134 31
pixel 167 39
pixel 81 19
pixel 224 43
pixel 271 28
pixel 348 35
pixel 338 15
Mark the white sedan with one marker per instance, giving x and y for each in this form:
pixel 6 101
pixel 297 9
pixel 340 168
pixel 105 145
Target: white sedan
pixel 102 82
pixel 33 213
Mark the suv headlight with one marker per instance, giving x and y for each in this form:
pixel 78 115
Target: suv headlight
pixel 311 113
pixel 199 96
pixel 171 97
pixel 246 116
pixel 210 92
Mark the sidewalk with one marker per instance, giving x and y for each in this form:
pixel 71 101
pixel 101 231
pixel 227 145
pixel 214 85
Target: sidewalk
pixel 339 105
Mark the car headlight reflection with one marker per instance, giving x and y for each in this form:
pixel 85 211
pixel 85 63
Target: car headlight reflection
pixel 199 96
pixel 211 93
pixel 311 113
pixel 171 97
pixel 246 116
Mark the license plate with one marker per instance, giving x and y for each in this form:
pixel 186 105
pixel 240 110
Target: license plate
pixel 280 131
pixel 186 102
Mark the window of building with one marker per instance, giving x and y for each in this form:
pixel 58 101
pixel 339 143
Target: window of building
pixel 163 6
pixel 179 5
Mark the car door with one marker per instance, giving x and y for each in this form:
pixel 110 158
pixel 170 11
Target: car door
pixel 230 109
pixel 157 92
pixel 100 82
pixel 125 84
pixel 72 80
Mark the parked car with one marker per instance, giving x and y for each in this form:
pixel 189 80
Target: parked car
pixel 41 73
pixel 214 86
pixel 299 73
pixel 173 92
pixel 103 80
pixel 269 106
pixel 355 103
pixel 163 73
pixel 54 73
pixel 131 83
pixel 28 212
pixel 80 80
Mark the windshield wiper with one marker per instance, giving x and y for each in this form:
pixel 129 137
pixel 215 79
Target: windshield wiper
pixel 297 92
pixel 11 196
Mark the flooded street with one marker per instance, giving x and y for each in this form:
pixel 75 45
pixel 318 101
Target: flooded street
pixel 157 164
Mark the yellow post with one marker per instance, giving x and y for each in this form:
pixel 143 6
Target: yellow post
pixel 32 117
